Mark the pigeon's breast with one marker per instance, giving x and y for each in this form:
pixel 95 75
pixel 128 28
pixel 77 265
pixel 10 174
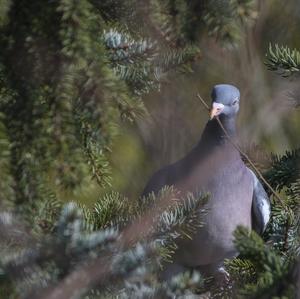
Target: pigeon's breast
pixel 230 203
pixel 231 190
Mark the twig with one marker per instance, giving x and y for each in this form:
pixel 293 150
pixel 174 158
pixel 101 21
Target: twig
pixel 237 147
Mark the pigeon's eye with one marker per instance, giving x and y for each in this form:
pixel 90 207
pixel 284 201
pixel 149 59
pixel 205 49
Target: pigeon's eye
pixel 234 102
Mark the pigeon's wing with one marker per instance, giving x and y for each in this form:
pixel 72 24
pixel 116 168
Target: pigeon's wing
pixel 261 207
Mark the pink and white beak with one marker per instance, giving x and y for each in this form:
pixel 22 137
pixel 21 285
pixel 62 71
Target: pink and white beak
pixel 216 109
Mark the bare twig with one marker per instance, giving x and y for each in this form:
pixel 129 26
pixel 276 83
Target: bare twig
pixel 238 148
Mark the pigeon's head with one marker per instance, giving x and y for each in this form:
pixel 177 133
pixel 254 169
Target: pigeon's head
pixel 225 100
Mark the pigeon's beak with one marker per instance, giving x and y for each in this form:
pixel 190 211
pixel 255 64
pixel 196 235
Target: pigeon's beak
pixel 216 109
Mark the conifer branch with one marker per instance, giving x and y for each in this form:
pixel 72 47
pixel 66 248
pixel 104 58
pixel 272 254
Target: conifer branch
pixel 283 60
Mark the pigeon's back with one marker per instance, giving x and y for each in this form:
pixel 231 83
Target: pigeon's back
pixel 180 173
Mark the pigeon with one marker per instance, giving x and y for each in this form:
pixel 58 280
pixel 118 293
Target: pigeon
pixel 236 195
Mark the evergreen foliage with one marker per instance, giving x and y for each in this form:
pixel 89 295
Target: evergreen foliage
pixel 283 60
pixel 223 21
pixel 70 73
pixel 285 169
pixel 84 239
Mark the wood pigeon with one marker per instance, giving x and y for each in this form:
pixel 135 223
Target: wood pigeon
pixel 237 196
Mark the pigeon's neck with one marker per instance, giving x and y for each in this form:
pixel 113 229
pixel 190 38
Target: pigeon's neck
pixel 229 125
pixel 213 137
pixel 214 134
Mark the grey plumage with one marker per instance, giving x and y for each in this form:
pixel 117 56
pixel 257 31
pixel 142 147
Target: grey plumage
pixel 214 165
